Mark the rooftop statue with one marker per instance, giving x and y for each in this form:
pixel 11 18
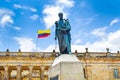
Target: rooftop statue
pixel 62 34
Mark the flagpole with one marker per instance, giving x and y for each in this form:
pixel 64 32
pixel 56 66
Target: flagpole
pixel 36 39
pixel 8 44
pixel 55 44
pixel 37 42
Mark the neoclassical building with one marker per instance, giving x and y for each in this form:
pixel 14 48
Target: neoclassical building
pixel 35 65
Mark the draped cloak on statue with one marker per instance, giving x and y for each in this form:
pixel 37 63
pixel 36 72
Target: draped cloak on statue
pixel 62 33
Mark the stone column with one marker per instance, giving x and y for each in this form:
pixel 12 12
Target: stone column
pixel 18 72
pixel 30 72
pixel 42 72
pixel 9 73
pixel 6 73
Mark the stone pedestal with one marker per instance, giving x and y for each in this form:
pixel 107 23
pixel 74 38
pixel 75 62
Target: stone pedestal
pixel 66 67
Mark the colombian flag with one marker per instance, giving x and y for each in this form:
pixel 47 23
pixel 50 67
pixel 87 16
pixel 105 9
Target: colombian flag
pixel 43 33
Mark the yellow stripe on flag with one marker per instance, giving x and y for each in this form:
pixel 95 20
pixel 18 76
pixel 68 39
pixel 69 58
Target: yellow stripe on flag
pixel 43 31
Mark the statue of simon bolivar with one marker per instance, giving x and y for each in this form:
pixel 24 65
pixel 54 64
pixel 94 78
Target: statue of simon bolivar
pixel 62 34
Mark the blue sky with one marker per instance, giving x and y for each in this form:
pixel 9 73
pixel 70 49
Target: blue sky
pixel 95 24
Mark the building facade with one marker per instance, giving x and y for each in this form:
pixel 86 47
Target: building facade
pixel 35 65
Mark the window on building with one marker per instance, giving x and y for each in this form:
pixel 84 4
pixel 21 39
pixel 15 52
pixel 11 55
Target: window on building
pixel 116 73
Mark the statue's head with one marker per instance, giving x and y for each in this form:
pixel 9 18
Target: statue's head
pixel 60 15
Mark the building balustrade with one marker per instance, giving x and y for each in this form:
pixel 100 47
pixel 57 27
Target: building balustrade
pixel 55 54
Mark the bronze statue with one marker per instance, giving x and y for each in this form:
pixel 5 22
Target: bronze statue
pixel 62 33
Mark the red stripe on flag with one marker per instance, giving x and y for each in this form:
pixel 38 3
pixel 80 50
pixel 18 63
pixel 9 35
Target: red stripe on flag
pixel 43 35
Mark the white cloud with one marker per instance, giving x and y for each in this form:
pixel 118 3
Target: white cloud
pixel 17 28
pixel 26 44
pixel 79 48
pixel 110 41
pixel 33 9
pixel 51 11
pixel 100 32
pixel 50 48
pixel 18 6
pixel 51 15
pixel 4 11
pixel 34 17
pixel 114 38
pixel 78 41
pixel 6 17
pixel 66 3
pixel 114 21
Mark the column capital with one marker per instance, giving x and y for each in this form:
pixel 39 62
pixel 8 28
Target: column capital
pixel 30 66
pixel 42 67
pixel 18 66
pixel 6 67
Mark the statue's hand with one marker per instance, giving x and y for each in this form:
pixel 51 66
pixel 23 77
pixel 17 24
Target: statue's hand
pixel 64 31
pixel 55 38
pixel 56 23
